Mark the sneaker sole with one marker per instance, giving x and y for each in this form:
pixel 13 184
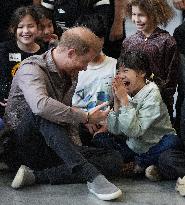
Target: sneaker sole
pixel 18 179
pixel 180 189
pixel 107 197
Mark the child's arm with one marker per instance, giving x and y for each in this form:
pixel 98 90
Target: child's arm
pixel 171 58
pixel 134 122
pixel 116 31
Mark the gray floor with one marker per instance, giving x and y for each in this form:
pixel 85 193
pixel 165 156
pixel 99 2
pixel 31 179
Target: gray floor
pixel 135 192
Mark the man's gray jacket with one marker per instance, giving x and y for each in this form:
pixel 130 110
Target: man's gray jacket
pixel 39 86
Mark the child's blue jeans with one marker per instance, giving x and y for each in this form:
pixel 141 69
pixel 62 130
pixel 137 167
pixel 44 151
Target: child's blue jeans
pixel 145 159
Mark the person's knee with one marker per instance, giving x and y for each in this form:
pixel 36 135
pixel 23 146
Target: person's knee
pixel 175 142
pixel 165 158
pixel 166 163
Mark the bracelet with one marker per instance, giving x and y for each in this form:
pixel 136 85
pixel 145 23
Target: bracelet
pixel 88 118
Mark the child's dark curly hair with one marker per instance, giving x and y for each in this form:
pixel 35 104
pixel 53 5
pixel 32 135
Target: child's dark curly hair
pixel 159 11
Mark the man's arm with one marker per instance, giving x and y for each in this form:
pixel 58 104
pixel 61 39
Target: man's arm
pixel 179 4
pixel 119 16
pixel 32 81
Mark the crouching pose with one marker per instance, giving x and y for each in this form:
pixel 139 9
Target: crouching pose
pixel 139 117
pixel 39 112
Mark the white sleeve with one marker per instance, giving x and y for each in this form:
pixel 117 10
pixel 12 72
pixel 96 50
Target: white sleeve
pixel 49 4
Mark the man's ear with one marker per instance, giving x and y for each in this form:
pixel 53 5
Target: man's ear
pixel 71 53
pixel 143 74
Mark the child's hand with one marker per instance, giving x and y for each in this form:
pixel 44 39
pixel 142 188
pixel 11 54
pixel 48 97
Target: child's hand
pixel 93 128
pixel 120 90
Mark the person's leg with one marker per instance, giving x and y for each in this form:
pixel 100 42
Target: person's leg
pixel 44 135
pixel 172 164
pixel 112 142
pixel 151 157
pixel 100 186
pixel 85 135
pixel 108 162
pixel 56 138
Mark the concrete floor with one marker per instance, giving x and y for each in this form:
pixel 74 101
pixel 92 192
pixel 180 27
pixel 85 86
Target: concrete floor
pixel 135 192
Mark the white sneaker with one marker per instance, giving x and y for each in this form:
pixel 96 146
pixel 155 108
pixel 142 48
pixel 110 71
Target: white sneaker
pixel 152 173
pixel 180 186
pixel 23 177
pixel 104 189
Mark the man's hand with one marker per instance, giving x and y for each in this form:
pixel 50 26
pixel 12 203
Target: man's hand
pixel 97 114
pixel 179 4
pixel 92 128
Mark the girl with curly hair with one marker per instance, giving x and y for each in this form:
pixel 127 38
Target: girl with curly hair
pixel 158 44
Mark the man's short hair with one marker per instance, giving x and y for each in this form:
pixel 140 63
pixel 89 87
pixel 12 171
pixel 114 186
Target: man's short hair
pixel 81 39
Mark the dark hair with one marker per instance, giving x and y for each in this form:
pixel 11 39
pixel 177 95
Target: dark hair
pixel 97 23
pixel 19 14
pixel 43 12
pixel 136 60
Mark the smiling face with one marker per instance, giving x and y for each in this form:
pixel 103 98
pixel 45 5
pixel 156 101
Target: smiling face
pixel 80 62
pixel 142 21
pixel 45 29
pixel 72 62
pixel 134 80
pixel 27 30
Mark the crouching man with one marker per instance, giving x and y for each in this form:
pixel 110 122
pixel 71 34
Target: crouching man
pixel 40 113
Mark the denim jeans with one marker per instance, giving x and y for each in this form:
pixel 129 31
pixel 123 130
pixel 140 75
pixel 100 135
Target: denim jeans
pixel 172 164
pixel 41 144
pixel 145 159
pixel 46 148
